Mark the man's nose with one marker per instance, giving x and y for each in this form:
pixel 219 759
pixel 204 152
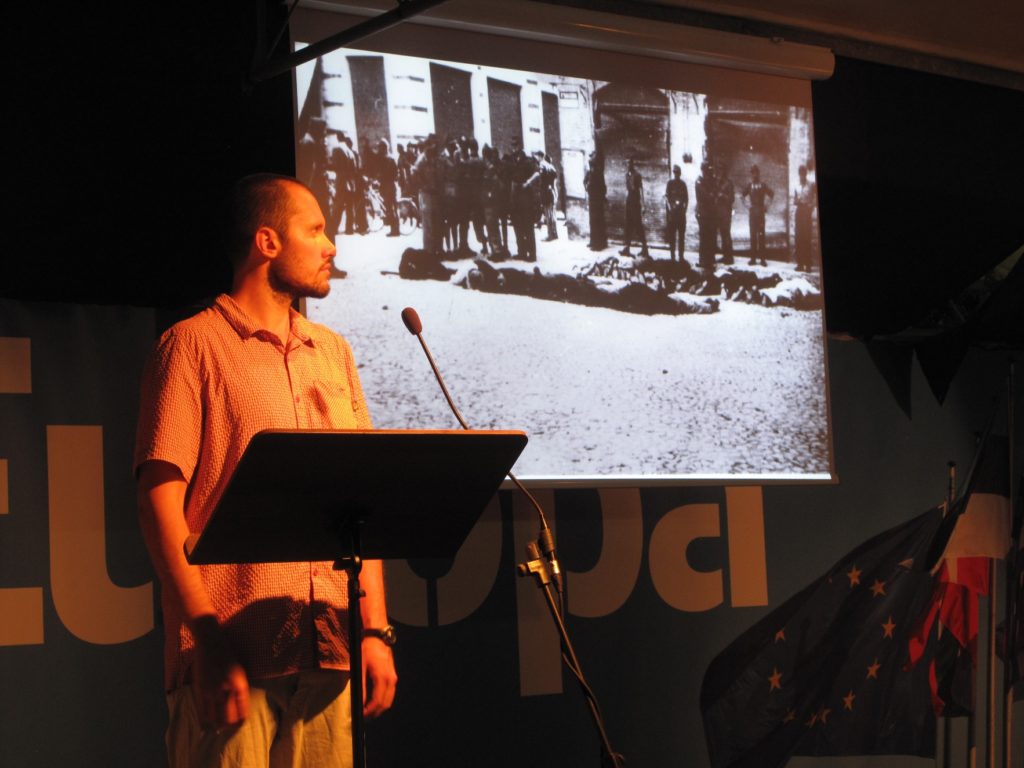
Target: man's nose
pixel 331 249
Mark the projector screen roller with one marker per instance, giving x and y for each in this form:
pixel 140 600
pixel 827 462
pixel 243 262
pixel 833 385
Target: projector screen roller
pixel 617 255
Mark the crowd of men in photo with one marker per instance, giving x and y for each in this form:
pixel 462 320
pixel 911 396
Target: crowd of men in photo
pixel 453 188
pixel 458 186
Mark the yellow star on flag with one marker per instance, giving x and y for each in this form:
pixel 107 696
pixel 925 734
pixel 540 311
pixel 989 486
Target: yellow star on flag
pixel 854 575
pixel 780 636
pixel 873 669
pixel 878 588
pixel 775 679
pixel 888 627
pixel 848 700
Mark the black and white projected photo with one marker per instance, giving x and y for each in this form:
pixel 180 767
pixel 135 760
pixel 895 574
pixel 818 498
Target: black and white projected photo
pixel 629 274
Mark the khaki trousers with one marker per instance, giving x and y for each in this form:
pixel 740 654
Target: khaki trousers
pixel 297 720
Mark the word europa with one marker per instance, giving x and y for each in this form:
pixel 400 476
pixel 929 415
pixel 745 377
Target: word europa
pixel 96 610
pixel 605 587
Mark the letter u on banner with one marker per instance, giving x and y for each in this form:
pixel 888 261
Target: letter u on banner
pixel 92 607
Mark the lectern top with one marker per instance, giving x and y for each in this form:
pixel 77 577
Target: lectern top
pixel 304 495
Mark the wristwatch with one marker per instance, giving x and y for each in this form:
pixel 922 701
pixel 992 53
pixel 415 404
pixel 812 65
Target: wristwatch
pixel 386 634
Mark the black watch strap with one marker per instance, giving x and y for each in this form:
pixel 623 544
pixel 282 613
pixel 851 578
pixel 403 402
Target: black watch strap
pixel 386 634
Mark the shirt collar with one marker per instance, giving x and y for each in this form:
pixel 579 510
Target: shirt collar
pixel 245 326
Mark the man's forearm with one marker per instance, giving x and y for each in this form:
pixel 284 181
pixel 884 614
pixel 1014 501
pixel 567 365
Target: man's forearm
pixel 161 499
pixel 373 607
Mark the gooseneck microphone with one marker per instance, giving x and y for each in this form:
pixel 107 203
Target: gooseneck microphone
pixel 546 538
pixel 542 563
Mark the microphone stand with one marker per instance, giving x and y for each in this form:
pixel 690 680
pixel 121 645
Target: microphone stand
pixel 542 563
pixel 538 566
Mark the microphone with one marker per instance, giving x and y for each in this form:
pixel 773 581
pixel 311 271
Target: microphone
pixel 415 327
pixel 546 538
pixel 412 321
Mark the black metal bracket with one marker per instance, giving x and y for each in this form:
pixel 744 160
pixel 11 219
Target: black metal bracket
pixel 268 68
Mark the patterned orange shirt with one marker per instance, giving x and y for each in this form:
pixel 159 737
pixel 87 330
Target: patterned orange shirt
pixel 212 382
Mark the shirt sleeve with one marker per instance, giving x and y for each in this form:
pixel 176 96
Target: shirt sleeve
pixel 170 411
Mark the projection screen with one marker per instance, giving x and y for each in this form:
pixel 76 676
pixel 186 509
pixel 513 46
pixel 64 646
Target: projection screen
pixel 615 253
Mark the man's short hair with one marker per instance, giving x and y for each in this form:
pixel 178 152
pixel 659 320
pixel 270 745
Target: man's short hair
pixel 261 199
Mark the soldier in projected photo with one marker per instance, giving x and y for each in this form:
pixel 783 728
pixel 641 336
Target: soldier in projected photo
pixel 803 219
pixel 470 192
pixel 548 194
pixel 677 200
pixel 597 194
pixel 494 193
pixel 384 170
pixel 707 215
pixel 425 178
pixel 525 198
pixel 634 228
pixel 725 197
pixel 757 194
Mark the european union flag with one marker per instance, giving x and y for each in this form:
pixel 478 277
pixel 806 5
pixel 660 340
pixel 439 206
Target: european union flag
pixel 830 672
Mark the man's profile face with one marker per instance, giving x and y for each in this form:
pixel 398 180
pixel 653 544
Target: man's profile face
pixel 303 267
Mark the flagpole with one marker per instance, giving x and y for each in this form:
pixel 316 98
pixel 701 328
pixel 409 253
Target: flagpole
pixel 990 710
pixel 947 722
pixel 1010 635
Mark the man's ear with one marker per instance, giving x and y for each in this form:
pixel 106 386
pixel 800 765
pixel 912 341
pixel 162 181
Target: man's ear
pixel 267 242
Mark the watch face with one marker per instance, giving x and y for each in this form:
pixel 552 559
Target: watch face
pixel 386 634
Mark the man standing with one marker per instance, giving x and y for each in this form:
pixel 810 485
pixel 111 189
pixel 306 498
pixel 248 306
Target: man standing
pixel 757 194
pixel 345 167
pixel 548 179
pixel 677 200
pixel 426 179
pixel 256 656
pixel 494 191
pixel 385 171
pixel 803 219
pixel 725 196
pixel 634 211
pixel 471 197
pixel 707 219
pixel 525 179
pixel 596 201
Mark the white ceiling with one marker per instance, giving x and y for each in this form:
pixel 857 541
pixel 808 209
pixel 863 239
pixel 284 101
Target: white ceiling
pixel 983 34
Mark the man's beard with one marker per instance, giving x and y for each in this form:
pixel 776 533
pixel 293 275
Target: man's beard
pixel 284 283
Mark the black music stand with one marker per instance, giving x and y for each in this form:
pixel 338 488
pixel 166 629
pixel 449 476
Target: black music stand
pixel 342 495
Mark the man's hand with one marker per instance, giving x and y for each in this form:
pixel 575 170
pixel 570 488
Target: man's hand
pixel 379 672
pixel 219 682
